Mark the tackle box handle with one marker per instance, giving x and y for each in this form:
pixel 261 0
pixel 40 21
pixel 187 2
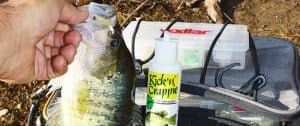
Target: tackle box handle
pixel 251 87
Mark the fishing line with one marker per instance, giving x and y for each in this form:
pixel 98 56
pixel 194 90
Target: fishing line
pixel 134 37
pixel 44 111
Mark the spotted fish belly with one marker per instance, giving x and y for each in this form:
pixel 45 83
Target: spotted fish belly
pixel 102 102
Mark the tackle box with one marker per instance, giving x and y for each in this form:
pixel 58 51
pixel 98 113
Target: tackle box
pixel 277 103
pixel 194 42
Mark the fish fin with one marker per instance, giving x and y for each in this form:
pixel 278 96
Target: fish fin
pixel 136 117
pixel 54 111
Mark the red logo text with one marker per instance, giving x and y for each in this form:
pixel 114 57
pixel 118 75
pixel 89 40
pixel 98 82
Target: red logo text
pixel 187 31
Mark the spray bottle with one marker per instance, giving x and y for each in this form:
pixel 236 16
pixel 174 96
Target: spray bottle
pixel 163 84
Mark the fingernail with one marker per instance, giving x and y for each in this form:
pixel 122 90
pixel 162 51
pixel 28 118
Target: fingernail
pixel 84 10
pixel 62 27
pixel 51 75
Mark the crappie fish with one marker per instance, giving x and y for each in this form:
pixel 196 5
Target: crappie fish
pixel 98 88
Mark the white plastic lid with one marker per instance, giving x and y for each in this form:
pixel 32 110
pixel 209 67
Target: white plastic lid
pixel 166 49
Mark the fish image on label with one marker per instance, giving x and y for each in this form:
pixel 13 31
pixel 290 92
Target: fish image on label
pixel 163 86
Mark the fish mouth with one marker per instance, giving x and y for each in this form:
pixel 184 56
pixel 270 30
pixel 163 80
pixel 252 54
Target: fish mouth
pixel 98 29
pixel 104 11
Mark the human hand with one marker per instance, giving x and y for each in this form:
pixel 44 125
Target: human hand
pixel 36 40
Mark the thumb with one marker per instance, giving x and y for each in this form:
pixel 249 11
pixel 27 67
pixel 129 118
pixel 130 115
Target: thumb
pixel 72 15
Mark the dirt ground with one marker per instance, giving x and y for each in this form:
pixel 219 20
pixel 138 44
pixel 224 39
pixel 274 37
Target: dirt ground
pixel 276 18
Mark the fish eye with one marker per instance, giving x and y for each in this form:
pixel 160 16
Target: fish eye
pixel 94 18
pixel 114 43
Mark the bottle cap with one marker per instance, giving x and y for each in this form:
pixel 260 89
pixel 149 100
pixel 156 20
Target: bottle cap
pixel 166 49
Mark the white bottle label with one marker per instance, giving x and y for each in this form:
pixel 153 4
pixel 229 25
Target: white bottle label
pixel 162 99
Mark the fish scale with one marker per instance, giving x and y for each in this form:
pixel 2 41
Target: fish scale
pixel 104 100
